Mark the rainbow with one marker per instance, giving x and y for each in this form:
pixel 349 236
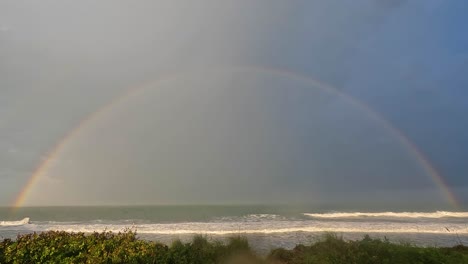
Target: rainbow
pixel 45 165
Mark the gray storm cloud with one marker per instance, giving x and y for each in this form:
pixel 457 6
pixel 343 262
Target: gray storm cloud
pixel 63 60
pixel 203 136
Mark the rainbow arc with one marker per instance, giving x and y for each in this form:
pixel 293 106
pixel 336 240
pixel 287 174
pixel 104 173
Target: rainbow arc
pixel 43 167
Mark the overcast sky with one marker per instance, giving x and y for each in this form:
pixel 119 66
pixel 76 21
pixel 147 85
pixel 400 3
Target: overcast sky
pixel 216 131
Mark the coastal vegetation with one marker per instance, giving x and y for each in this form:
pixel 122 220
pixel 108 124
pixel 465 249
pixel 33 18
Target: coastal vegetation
pixel 125 247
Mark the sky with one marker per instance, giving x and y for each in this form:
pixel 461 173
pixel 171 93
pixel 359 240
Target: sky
pixel 210 101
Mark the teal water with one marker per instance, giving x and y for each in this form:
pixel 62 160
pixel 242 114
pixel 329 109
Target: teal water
pixel 178 213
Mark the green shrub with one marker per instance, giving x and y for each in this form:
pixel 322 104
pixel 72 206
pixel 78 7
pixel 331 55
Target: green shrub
pixel 124 247
pixel 333 249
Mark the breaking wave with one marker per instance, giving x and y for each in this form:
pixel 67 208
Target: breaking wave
pixel 437 214
pixel 21 222
pixel 263 227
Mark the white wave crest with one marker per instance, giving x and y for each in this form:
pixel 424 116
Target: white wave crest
pixel 268 227
pixel 250 218
pixel 21 222
pixel 437 214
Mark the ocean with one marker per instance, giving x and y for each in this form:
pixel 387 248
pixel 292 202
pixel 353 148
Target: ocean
pixel 266 227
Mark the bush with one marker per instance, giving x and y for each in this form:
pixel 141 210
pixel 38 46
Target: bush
pixel 333 249
pixel 124 247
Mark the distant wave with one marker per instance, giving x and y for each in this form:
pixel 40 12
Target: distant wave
pixel 250 218
pixel 437 214
pixel 24 221
pixel 262 216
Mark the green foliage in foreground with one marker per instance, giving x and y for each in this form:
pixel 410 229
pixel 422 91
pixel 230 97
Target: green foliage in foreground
pixel 108 247
pixel 332 249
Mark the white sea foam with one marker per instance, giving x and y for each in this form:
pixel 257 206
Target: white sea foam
pixel 267 227
pixel 437 214
pixel 250 218
pixel 21 222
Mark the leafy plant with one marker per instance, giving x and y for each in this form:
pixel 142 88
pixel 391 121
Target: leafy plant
pixel 125 247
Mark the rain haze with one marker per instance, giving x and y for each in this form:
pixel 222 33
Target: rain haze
pixel 352 103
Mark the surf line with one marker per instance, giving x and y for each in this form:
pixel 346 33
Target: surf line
pixel 133 91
